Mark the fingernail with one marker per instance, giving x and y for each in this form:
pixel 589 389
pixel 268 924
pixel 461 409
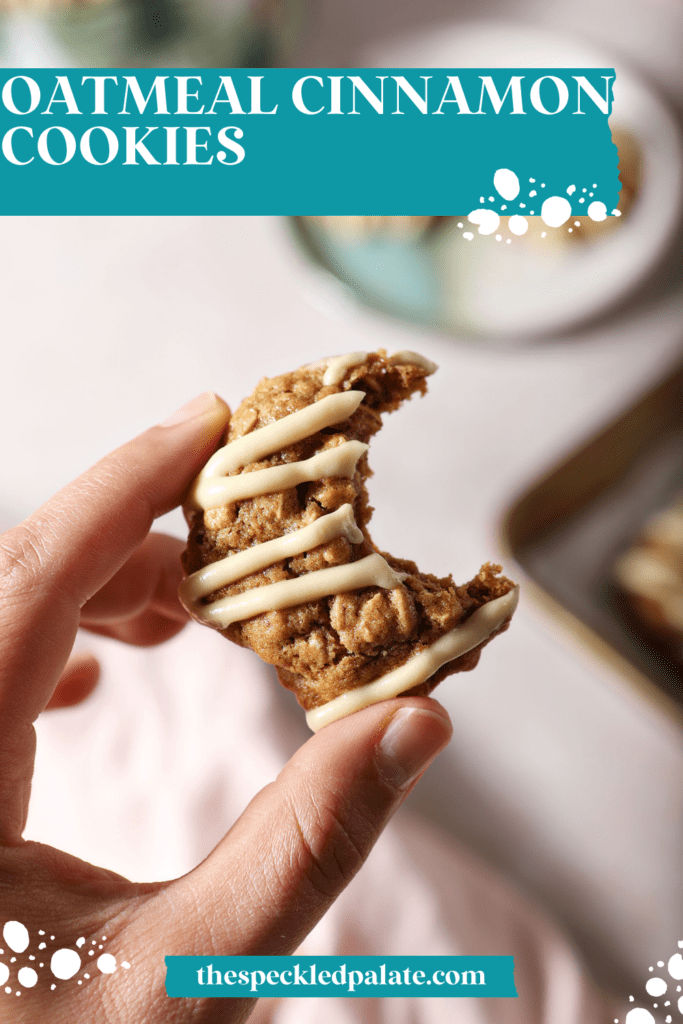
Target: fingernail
pixel 200 406
pixel 410 742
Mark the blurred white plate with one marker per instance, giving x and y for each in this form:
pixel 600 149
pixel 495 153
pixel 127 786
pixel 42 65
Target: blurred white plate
pixel 524 290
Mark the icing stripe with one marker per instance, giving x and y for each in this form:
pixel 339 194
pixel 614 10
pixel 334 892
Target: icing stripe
pixel 338 365
pixel 372 571
pixel 401 358
pixel 480 625
pixel 338 462
pixel 235 567
pixel 279 434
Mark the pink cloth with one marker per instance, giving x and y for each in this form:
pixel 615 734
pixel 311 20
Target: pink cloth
pixel 421 894
pixel 181 737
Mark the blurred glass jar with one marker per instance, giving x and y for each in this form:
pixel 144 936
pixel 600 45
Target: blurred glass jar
pixel 150 33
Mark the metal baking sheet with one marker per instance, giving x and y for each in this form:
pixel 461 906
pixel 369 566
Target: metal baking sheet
pixel 568 530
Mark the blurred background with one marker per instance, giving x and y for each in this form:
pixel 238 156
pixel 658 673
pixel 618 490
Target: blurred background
pixel 551 440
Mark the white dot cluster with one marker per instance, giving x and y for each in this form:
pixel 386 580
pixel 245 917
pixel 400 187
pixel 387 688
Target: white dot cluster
pixel 65 962
pixel 555 210
pixel 656 987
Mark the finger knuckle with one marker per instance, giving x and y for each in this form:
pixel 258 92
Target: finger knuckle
pixel 332 846
pixel 23 558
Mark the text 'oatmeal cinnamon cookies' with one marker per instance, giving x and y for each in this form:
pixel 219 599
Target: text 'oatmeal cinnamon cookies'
pixel 279 556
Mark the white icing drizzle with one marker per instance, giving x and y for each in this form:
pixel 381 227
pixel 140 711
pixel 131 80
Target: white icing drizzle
pixel 477 628
pixel 371 571
pixel 340 461
pixel 212 490
pixel 338 365
pixel 235 567
pixel 401 358
pixel 271 438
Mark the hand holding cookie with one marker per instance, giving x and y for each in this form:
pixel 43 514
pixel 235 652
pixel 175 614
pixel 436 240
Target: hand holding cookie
pixel 87 558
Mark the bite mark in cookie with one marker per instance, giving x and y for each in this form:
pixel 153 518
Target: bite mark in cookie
pixel 281 560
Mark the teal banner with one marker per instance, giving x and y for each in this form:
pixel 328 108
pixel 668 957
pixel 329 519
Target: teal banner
pixel 240 977
pixel 431 141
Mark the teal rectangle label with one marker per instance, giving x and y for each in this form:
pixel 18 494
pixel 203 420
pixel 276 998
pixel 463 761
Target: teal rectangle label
pixel 279 141
pixel 241 977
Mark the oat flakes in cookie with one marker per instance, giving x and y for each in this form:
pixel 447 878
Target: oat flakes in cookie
pixel 279 557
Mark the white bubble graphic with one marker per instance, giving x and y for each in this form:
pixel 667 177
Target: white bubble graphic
pixel 655 986
pixel 80 942
pixel 468 235
pixel 571 190
pixel 15 935
pixel 488 220
pixel 518 225
pixel 639 1016
pixel 4 973
pixel 107 963
pixel 556 211
pixel 597 211
pixel 65 963
pixel 680 1005
pixel 506 183
pixel 675 967
pixel 27 977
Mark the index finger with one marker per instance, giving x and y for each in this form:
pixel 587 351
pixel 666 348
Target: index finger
pixel 67 551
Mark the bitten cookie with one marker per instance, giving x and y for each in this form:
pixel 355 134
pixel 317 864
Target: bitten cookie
pixel 279 556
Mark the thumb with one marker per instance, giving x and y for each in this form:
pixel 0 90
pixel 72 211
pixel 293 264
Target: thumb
pixel 304 837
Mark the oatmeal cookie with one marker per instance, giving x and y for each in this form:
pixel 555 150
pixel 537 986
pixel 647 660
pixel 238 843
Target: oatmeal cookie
pixel 650 572
pixel 279 557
